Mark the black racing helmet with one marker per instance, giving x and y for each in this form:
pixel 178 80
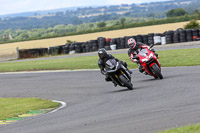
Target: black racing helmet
pixel 102 53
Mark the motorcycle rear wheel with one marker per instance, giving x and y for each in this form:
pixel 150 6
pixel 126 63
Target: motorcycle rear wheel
pixel 128 84
pixel 157 71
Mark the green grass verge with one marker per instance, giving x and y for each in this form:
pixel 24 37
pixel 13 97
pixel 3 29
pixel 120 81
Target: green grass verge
pixel 194 128
pixel 168 58
pixel 12 107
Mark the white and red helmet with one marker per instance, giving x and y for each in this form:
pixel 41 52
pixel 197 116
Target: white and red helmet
pixel 131 43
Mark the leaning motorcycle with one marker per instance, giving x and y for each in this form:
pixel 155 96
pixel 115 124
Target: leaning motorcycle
pixel 149 62
pixel 118 73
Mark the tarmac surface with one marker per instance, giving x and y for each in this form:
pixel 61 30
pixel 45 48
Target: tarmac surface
pixel 96 106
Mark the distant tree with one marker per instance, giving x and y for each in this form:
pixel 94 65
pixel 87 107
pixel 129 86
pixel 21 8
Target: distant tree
pixel 193 24
pixel 196 12
pixel 151 15
pixel 122 21
pixel 91 25
pixel 101 24
pixel 59 13
pixel 22 36
pixel 176 12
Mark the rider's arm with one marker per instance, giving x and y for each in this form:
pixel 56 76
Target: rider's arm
pixel 144 46
pixel 110 56
pixel 100 64
pixel 129 52
pixel 133 54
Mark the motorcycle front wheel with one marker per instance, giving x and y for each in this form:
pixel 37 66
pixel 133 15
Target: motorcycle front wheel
pixel 157 71
pixel 126 82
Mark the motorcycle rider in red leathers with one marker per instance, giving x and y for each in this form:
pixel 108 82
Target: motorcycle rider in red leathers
pixel 133 51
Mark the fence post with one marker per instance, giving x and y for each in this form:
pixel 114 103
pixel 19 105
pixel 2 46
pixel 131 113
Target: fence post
pixel 17 52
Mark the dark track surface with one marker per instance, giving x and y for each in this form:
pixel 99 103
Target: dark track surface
pixel 94 106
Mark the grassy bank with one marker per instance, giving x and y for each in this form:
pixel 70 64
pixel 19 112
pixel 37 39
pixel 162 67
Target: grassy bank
pixel 12 107
pixel 169 58
pixel 194 128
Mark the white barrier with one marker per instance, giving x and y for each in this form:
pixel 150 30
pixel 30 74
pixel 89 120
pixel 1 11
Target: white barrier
pixel 113 47
pixel 72 52
pixel 163 40
pixel 157 39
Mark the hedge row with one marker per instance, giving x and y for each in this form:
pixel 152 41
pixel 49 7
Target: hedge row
pixel 167 37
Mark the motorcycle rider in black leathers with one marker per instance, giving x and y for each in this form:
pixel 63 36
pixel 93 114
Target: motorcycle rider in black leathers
pixel 103 57
pixel 133 51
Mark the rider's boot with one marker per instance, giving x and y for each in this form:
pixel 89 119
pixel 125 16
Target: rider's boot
pixel 141 68
pixel 145 73
pixel 115 84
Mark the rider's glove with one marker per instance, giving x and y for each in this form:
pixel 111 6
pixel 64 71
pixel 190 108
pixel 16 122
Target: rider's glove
pixel 104 72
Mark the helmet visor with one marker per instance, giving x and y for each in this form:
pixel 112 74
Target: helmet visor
pixel 101 55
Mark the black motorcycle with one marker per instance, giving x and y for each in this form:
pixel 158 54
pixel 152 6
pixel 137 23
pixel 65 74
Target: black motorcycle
pixel 118 73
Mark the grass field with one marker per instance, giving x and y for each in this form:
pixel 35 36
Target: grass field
pixel 45 43
pixel 194 128
pixel 181 57
pixel 12 107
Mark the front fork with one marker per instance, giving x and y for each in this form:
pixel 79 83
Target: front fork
pixel 117 77
pixel 126 70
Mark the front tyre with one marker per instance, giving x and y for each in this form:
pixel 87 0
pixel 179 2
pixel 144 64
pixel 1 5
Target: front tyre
pixel 126 83
pixel 157 71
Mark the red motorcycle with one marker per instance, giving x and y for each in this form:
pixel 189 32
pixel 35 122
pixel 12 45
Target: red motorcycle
pixel 149 62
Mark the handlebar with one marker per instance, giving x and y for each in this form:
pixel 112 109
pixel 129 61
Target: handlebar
pixel 151 45
pixel 136 57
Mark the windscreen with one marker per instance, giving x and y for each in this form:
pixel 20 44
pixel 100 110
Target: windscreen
pixel 143 52
pixel 110 64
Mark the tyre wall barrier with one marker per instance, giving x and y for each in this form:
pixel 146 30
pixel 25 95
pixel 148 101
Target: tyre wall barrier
pixel 145 39
pixel 178 36
pixel 150 38
pixel 195 33
pixel 122 43
pixel 32 53
pixel 189 35
pixel 139 38
pixel 182 36
pixel 101 42
pixel 169 36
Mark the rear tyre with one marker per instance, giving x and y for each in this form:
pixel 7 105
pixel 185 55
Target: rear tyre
pixel 157 71
pixel 129 85
pixel 156 77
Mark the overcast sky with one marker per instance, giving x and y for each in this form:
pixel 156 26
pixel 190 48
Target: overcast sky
pixel 18 6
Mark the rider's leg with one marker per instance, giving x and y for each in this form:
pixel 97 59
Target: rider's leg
pixel 140 68
pixel 109 79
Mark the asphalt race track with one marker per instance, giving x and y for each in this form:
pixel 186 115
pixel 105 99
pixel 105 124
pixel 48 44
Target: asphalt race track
pixel 94 106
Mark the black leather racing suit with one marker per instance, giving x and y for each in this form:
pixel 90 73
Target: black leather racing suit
pixel 101 63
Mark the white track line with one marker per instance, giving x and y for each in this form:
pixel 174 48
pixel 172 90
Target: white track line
pixel 63 104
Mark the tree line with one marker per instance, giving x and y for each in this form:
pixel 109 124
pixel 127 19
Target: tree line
pixel 174 15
